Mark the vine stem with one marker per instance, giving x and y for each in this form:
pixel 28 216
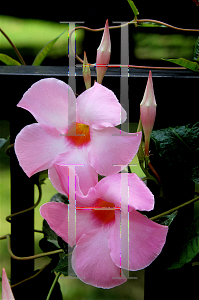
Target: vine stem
pixel 14 47
pixel 7 236
pixel 53 285
pixel 8 218
pixel 175 208
pixel 135 22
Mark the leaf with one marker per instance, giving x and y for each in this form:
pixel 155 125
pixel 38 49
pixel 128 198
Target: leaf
pixel 190 248
pixel 196 51
pixel 150 24
pixel 178 148
pixel 62 265
pixel 194 66
pixel 59 198
pixel 167 220
pixel 3 141
pixel 9 60
pixel 44 51
pixel 135 167
pixel 133 7
pixel 50 235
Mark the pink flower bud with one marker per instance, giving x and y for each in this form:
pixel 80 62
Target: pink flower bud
pixel 103 54
pixel 86 72
pixel 148 111
pixel 6 289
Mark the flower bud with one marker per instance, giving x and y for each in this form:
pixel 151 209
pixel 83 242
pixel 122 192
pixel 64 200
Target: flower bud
pixel 148 112
pixel 103 54
pixel 86 72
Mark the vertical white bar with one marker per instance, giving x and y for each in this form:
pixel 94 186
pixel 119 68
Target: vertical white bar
pixel 124 87
pixel 124 223
pixel 124 101
pixel 71 56
pixel 71 213
pixel 71 74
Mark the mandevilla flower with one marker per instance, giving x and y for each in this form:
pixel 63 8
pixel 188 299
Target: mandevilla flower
pixel 74 131
pixel 103 246
pixel 148 112
pixel 6 289
pixel 103 54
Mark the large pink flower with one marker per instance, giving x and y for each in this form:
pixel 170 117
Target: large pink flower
pixel 110 234
pixel 74 131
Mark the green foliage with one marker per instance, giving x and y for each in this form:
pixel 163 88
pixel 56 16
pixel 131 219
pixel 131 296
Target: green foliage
pixel 3 141
pixel 9 60
pixel 62 265
pixel 188 64
pixel 196 51
pixel 179 148
pixel 167 220
pixel 190 246
pixel 44 51
pixel 133 7
pixel 150 24
pixel 59 198
pixel 194 66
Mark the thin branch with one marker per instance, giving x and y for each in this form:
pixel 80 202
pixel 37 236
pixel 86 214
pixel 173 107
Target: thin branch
pixel 8 218
pixel 29 257
pixel 123 25
pixel 14 47
pixel 165 24
pixel 53 285
pixel 174 209
pixel 31 277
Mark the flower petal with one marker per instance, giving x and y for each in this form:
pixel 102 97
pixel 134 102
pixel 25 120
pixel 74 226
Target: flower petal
pixel 98 107
pixel 37 146
pixel 62 218
pixel 92 263
pixel 111 149
pixel 87 175
pixel 6 289
pixel 128 188
pixel 47 101
pixel 146 240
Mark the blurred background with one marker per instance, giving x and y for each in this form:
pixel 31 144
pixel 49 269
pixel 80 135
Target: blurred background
pixel 31 28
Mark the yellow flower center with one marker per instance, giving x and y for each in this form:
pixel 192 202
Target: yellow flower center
pixel 79 135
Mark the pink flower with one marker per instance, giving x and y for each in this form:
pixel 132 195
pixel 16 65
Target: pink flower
pixel 103 54
pixel 6 289
pixel 110 210
pixel 148 112
pixel 60 116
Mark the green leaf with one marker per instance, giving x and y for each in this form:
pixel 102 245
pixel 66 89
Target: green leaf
pixel 178 148
pixel 150 24
pixel 194 66
pixel 190 247
pixel 44 51
pixel 133 7
pixel 9 60
pixel 59 198
pixel 50 235
pixel 3 141
pixel 135 167
pixel 167 220
pixel 62 265
pixel 196 51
